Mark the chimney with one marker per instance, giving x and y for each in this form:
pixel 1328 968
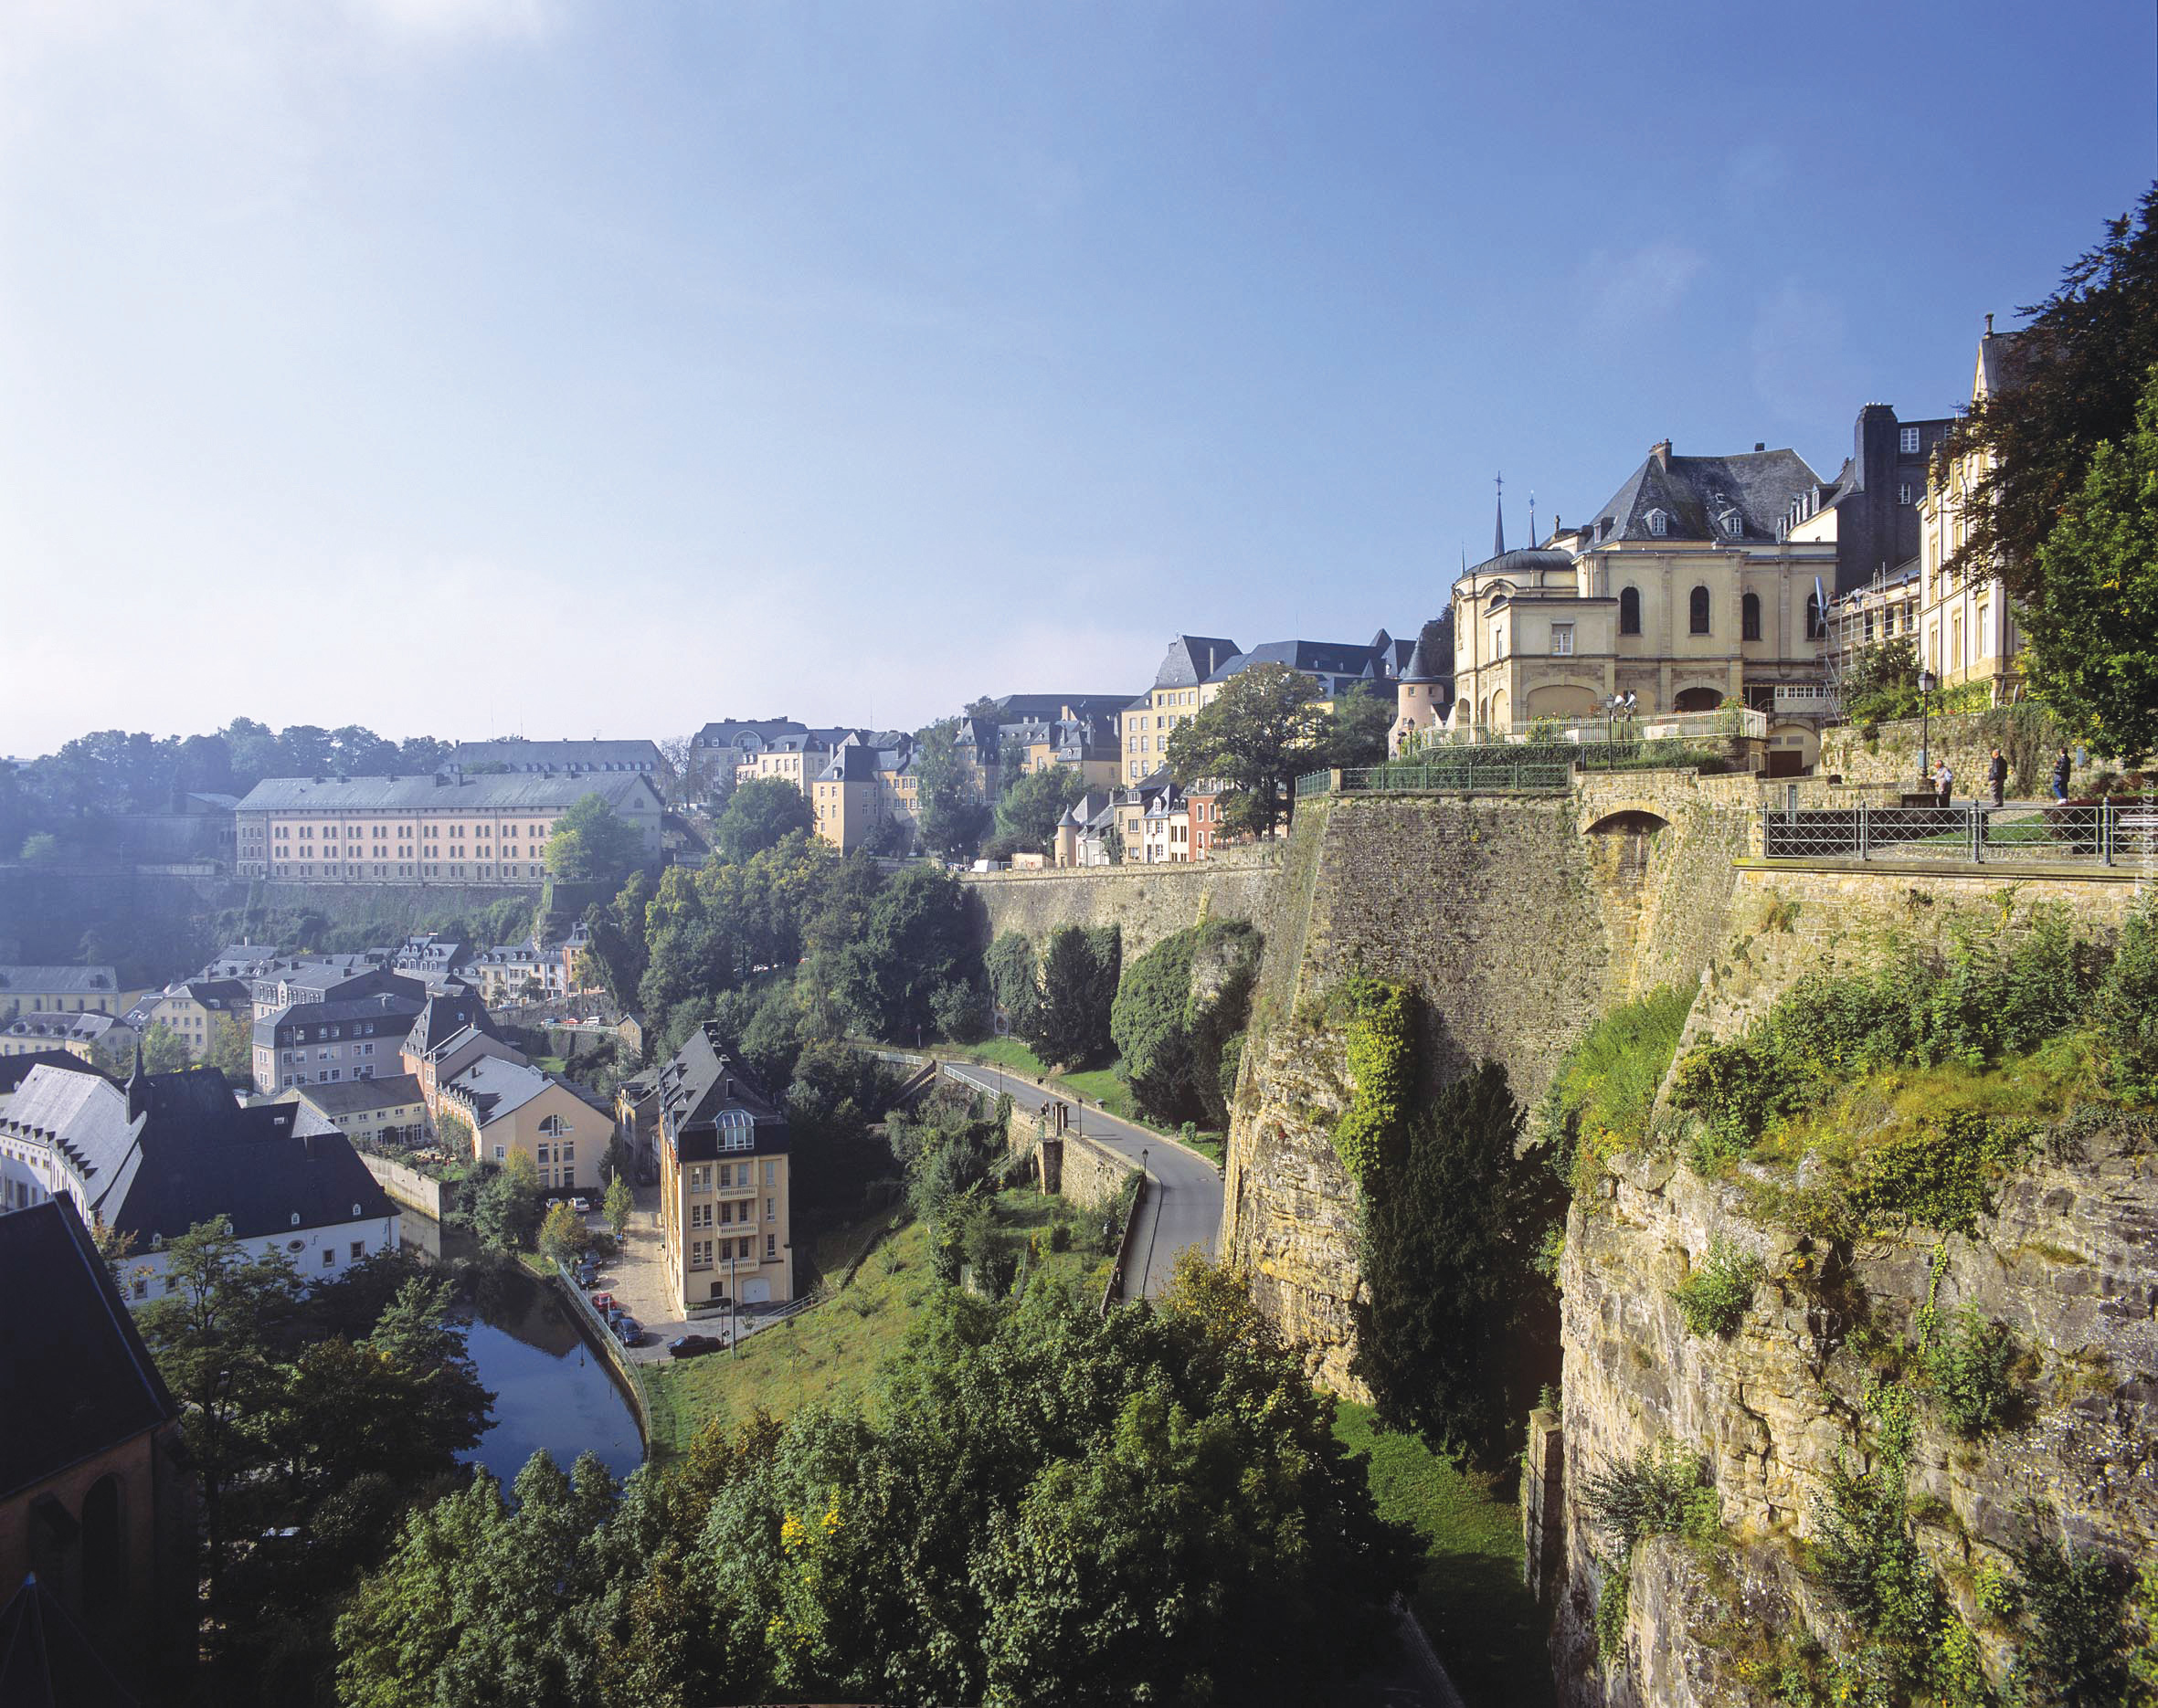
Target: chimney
pixel 1989 326
pixel 1760 443
pixel 1661 451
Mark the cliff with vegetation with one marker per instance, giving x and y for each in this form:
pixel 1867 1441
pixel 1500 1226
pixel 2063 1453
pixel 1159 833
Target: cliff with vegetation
pixel 1860 1326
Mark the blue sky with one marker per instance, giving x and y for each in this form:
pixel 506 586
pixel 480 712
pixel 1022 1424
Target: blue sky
pixel 470 365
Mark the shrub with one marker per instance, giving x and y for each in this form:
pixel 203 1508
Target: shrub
pixel 1660 1491
pixel 1967 1368
pixel 1601 1097
pixel 1611 1613
pixel 2126 1009
pixel 1381 1066
pixel 1715 1297
pixel 1940 1176
pixel 2076 1639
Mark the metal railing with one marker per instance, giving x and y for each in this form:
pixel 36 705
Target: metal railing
pixel 2102 833
pixel 1448 775
pixel 1724 723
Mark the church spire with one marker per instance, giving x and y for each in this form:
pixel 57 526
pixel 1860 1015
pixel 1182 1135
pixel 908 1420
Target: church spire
pixel 1498 533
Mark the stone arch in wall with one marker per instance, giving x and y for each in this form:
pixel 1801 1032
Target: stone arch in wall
pixel 1620 843
pixel 1698 699
pixel 1562 699
pixel 1501 716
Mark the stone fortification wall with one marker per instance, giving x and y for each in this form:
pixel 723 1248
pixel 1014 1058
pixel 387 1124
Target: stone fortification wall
pixel 1068 1165
pixel 1520 920
pixel 1149 903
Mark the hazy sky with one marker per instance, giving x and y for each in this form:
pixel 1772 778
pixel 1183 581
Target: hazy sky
pixel 465 367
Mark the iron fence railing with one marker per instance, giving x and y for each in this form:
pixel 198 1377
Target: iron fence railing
pixel 2108 833
pixel 1724 723
pixel 1457 774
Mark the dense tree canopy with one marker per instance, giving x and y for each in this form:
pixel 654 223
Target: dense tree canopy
pixel 1080 970
pixel 1255 739
pixel 759 815
pixel 1176 1018
pixel 1046 1506
pixel 592 843
pixel 954 818
pixel 1457 1311
pixel 1034 804
pixel 1357 732
pixel 2091 627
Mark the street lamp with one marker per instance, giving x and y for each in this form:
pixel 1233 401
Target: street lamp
pixel 1926 683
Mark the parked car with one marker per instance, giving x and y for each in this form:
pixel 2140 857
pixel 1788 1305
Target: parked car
pixel 622 1319
pixel 583 1206
pixel 628 1331
pixel 694 1345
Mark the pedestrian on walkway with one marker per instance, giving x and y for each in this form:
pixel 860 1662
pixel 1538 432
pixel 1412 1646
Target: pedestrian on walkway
pixel 1996 773
pixel 1943 782
pixel 2060 776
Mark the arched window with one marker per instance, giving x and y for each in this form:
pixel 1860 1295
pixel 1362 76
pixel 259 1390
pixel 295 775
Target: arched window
pixel 1815 628
pixel 1697 611
pixel 1630 611
pixel 1750 617
pixel 104 1551
pixel 1659 524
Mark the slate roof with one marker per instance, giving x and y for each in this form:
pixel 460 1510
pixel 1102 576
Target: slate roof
pixel 1048 708
pixel 746 732
pixel 850 764
pixel 48 1660
pixel 1317 658
pixel 491 1087
pixel 1701 496
pixel 52 981
pixel 88 1029
pixel 698 1084
pixel 352 1097
pixel 15 1069
pixel 1419 668
pixel 396 1012
pixel 512 791
pixel 1193 659
pixel 75 1376
pixel 558 755
pixel 445 1014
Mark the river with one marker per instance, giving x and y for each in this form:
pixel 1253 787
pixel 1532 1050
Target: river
pixel 551 1389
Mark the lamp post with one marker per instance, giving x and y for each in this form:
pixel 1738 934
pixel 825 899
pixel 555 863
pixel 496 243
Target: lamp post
pixel 1926 681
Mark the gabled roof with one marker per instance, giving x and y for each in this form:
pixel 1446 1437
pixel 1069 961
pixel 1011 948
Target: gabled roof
pixel 15 1069
pixel 493 1086
pixel 75 1376
pixel 445 1014
pixel 699 1083
pixel 1702 497
pixel 746 732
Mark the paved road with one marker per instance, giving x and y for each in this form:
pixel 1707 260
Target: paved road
pixel 1184 1192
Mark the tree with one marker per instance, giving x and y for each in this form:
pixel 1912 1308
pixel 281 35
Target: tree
pixel 507 1212
pixel 758 815
pixel 1176 1010
pixel 616 957
pixel 1455 1307
pixel 211 1333
pixel 454 1130
pixel 164 1051
pixel 232 1050
pixel 41 849
pixel 1079 968
pixel 591 843
pixel 562 1237
pixel 1035 803
pixel 2090 632
pixel 618 1205
pixel 2077 374
pixel 1014 988
pixel 915 938
pixel 953 816
pixel 1255 739
pixel 1360 728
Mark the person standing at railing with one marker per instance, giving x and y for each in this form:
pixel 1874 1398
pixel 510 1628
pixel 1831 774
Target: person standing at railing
pixel 2060 778
pixel 1996 773
pixel 1944 781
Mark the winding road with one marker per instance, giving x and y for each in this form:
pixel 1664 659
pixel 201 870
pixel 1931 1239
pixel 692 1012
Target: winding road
pixel 1184 1205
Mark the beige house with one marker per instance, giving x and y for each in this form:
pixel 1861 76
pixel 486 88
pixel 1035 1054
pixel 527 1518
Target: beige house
pixel 1682 591
pixel 103 1040
pixel 450 828
pixel 59 990
pixel 515 1108
pixel 1144 726
pixel 725 1193
pixel 195 1010
pixel 390 1110
pixel 1966 631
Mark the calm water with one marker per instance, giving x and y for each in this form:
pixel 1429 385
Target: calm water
pixel 551 1390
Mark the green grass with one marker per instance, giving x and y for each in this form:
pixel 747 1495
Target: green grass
pixel 550 1064
pixel 834 1351
pixel 1470 1601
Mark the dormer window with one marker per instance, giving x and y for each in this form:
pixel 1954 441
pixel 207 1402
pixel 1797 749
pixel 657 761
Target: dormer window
pixel 1659 524
pixel 1734 524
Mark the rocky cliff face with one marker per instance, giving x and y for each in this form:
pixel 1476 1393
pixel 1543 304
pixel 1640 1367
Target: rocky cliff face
pixel 2066 1262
